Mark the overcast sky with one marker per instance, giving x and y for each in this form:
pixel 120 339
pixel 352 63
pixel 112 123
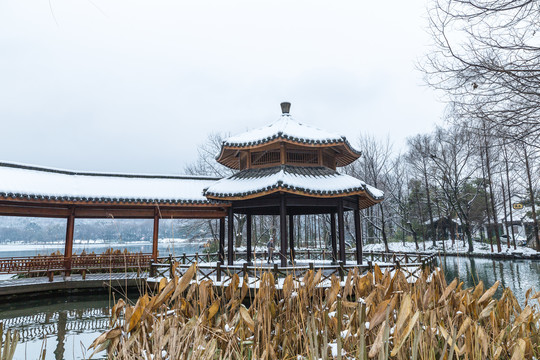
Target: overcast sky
pixel 135 86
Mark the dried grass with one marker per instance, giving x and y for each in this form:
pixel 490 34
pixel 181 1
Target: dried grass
pixel 377 316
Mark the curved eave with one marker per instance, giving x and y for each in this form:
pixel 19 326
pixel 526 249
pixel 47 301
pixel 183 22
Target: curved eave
pixel 365 199
pixel 227 155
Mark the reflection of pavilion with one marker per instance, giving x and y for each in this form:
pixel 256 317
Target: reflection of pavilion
pixel 285 169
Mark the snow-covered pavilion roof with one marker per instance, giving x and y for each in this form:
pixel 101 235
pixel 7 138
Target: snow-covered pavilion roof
pixel 311 181
pixel 286 128
pixel 19 181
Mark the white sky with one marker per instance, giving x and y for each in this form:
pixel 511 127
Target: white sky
pixel 135 86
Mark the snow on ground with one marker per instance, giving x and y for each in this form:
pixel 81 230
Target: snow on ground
pixel 458 247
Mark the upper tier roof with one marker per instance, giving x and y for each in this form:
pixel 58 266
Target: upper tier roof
pixel 289 129
pixel 286 130
pixel 19 181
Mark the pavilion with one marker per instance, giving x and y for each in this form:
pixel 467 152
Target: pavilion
pixel 285 169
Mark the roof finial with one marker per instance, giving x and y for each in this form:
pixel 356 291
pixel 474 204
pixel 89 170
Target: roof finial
pixel 285 107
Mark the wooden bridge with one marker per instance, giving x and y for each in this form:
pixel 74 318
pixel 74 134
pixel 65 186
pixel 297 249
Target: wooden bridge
pixel 136 270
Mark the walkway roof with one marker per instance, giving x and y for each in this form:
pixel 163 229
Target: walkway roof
pixel 25 182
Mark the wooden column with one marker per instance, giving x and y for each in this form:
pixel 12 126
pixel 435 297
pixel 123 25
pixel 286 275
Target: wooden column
pixel 248 240
pixel 291 237
pixel 221 251
pixel 68 250
pixel 358 234
pixel 230 237
pixel 155 235
pixel 341 227
pixel 283 230
pixel 333 237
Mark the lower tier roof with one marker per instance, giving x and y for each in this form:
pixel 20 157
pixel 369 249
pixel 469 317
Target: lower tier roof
pixel 310 181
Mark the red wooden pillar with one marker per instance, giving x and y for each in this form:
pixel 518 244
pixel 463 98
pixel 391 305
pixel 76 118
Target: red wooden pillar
pixel 155 235
pixel 341 226
pixel 358 234
pixel 68 250
pixel 283 230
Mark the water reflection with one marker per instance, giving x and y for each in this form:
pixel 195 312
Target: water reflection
pixel 518 275
pixel 62 327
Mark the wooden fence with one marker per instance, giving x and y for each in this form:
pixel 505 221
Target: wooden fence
pixel 219 273
pixel 48 264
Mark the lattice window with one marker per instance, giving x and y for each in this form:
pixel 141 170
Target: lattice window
pixel 303 157
pixel 265 157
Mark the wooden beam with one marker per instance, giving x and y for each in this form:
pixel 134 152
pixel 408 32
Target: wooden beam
pixel 68 249
pixel 333 237
pixel 358 235
pixel 155 235
pixel 99 203
pixel 230 238
pixel 221 255
pixel 148 213
pixel 10 210
pixel 119 212
pixel 283 229
pixel 341 226
pixel 248 240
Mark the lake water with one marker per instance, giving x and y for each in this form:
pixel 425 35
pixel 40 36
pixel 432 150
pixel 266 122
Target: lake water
pixel 63 327
pixel 518 275
pixel 164 248
pixel 66 326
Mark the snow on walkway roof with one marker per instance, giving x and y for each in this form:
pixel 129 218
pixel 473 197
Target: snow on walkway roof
pixel 287 128
pixel 318 181
pixel 32 182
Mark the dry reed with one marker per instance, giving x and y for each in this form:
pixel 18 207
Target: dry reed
pixel 380 316
pixel 8 343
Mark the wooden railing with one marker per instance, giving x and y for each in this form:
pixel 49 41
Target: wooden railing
pixel 78 263
pixel 220 273
pixel 208 263
pixel 320 255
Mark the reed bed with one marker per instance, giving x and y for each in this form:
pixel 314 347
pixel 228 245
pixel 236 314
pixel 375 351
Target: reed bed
pixel 372 316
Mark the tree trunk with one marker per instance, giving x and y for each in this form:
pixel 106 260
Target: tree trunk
pixel 531 196
pixel 490 182
pixel 383 231
pixel 505 214
pixel 486 201
pixel 509 195
pixel 433 231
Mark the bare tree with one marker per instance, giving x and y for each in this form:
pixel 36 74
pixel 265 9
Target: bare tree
pixel 374 167
pixel 206 163
pixel 453 159
pixel 486 59
pixel 420 150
